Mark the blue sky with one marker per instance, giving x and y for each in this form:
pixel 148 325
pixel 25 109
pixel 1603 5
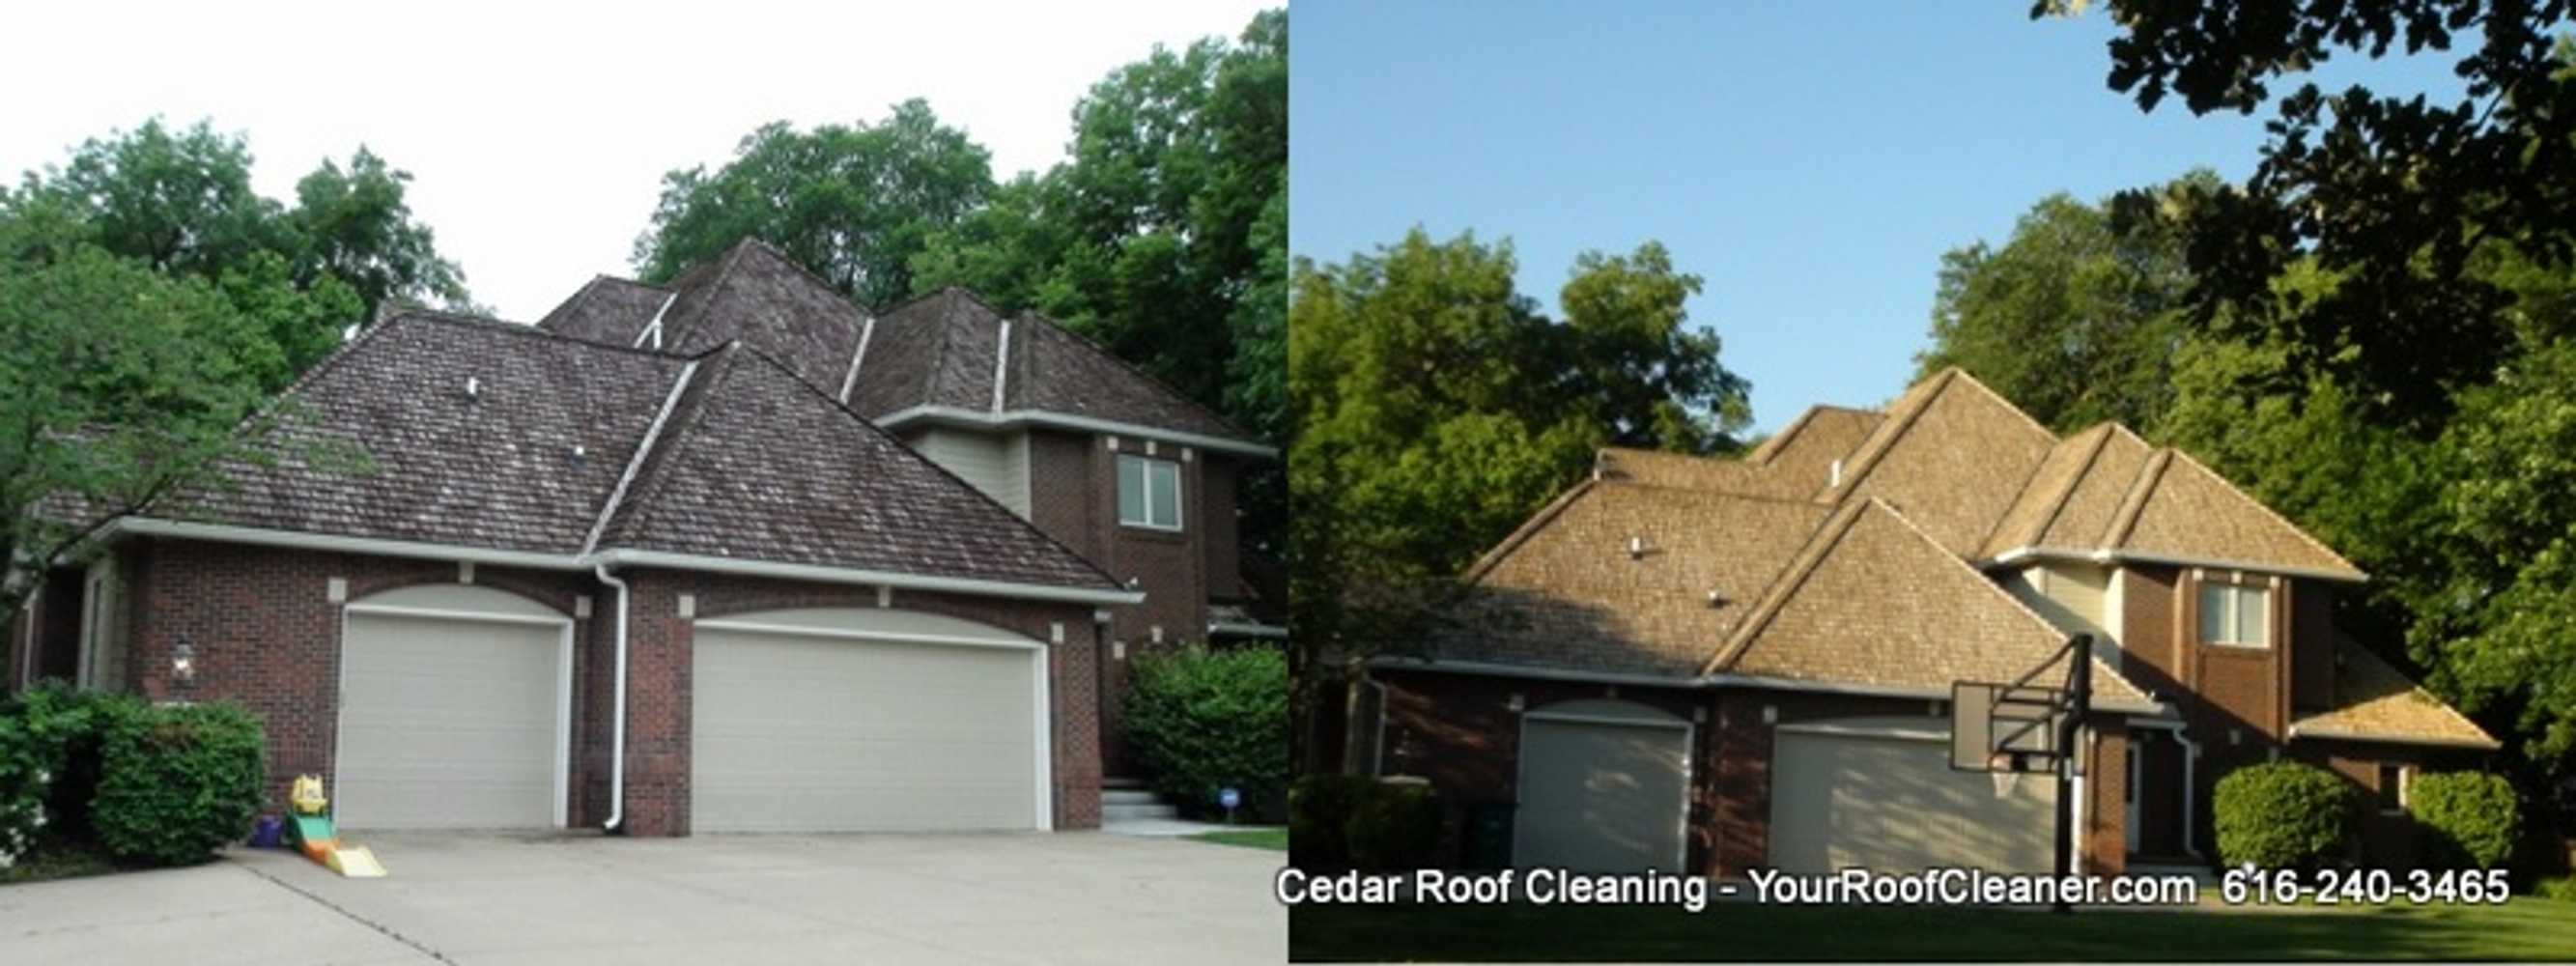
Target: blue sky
pixel 1810 161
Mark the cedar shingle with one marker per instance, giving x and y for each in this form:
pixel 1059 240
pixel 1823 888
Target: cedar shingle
pixel 2374 701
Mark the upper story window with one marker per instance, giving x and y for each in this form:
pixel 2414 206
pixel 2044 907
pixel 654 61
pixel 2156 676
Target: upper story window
pixel 1149 493
pixel 2237 614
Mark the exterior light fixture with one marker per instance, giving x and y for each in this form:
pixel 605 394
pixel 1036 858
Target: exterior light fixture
pixel 183 663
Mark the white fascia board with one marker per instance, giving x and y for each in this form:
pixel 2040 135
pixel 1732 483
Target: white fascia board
pixel 1017 418
pixel 1534 673
pixel 1713 680
pixel 372 546
pixel 874 578
pixel 2022 555
pixel 2334 734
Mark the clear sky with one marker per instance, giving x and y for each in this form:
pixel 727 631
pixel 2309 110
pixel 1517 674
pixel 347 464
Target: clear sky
pixel 537 133
pixel 1811 160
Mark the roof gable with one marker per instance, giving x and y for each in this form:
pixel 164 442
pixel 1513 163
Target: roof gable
pixel 759 464
pixel 2075 494
pixel 1874 600
pixel 608 310
pixel 482 433
pixel 757 295
pixel 1953 455
pixel 2182 509
pixel 1572 589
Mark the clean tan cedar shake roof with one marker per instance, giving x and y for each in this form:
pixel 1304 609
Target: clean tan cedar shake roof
pixel 2376 703
pixel 2181 509
pixel 1873 600
pixel 1567 592
pixel 2073 498
pixel 1788 466
pixel 1952 456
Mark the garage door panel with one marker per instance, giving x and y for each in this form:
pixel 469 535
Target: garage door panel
pixel 801 732
pixel 1600 796
pixel 449 723
pixel 1894 804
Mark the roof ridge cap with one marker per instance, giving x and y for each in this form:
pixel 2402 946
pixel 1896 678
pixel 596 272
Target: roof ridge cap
pixel 678 435
pixel 1152 380
pixel 1895 428
pixel 1771 447
pixel 2057 503
pixel 2134 503
pixel 525 329
pixel 2276 516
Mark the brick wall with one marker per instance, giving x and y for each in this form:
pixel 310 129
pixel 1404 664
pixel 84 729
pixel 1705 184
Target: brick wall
pixel 265 634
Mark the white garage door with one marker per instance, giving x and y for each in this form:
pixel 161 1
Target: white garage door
pixel 453 711
pixel 1881 795
pixel 1604 787
pixel 849 720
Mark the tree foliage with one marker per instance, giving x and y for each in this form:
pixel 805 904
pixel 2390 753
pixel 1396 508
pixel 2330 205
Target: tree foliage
pixel 180 202
pixel 2072 318
pixel 1435 407
pixel 853 203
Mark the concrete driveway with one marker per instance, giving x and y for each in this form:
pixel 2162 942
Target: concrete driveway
pixel 1079 897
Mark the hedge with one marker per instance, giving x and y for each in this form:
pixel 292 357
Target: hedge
pixel 2474 816
pixel 49 761
pixel 2282 815
pixel 1348 821
pixel 1202 720
pixel 176 781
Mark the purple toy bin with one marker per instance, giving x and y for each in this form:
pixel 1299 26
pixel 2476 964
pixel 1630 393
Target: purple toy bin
pixel 264 832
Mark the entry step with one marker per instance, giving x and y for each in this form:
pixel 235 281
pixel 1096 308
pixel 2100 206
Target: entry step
pixel 1132 811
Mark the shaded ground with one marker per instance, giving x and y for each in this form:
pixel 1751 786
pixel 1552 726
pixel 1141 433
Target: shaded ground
pixel 2526 929
pixel 1274 839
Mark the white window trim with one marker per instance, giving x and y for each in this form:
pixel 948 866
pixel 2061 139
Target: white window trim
pixel 2228 624
pixel 2405 790
pixel 1179 518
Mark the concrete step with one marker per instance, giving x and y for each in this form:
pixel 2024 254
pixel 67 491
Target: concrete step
pixel 1129 796
pixel 1124 813
pixel 1116 781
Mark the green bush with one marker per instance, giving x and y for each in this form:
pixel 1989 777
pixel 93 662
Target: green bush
pixel 2282 815
pixel 2474 817
pixel 2562 888
pixel 49 749
pixel 1201 720
pixel 178 780
pixel 1396 826
pixel 1349 821
pixel 1319 815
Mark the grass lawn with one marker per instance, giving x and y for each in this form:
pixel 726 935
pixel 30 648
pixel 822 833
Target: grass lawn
pixel 2526 929
pixel 58 858
pixel 1274 839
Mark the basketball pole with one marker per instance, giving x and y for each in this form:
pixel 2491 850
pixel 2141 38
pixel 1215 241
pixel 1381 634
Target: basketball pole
pixel 2080 704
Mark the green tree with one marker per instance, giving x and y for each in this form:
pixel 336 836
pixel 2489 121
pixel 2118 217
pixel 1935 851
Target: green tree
pixel 2393 194
pixel 117 383
pixel 854 203
pixel 2074 320
pixel 1433 407
pixel 181 203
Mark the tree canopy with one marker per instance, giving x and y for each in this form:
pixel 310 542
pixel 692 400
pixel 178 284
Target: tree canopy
pixel 853 203
pixel 1435 407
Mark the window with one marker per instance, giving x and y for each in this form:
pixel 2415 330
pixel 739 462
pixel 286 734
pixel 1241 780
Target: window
pixel 2237 614
pixel 2392 788
pixel 1149 493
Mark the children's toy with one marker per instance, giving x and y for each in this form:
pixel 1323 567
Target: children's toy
pixel 309 830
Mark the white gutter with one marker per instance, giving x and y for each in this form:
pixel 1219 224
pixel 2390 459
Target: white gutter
pixel 1712 680
pixel 2110 557
pixel 371 546
pixel 2335 734
pixel 1248 629
pixel 617 725
pixel 978 419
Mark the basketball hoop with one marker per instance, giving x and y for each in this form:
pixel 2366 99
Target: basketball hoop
pixel 2005 730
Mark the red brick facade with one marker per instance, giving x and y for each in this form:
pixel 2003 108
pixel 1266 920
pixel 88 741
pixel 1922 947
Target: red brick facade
pixel 264 633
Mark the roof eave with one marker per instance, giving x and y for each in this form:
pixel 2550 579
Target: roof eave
pixel 1767 682
pixel 2303 730
pixel 935 414
pixel 2027 554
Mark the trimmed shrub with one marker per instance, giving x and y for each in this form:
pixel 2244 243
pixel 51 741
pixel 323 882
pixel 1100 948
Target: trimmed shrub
pixel 2473 816
pixel 1396 826
pixel 49 749
pixel 1319 814
pixel 2562 888
pixel 1352 821
pixel 176 781
pixel 1202 720
pixel 2282 815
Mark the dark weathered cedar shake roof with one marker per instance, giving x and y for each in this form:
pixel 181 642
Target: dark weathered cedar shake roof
pixel 758 464
pixel 496 468
pixel 757 295
pixel 608 311
pixel 940 350
pixel 752 463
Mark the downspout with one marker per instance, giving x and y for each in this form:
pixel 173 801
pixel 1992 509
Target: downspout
pixel 617 728
pixel 2190 801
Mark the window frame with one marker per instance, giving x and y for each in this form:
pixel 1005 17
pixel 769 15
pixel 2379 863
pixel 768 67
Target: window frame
pixel 2231 594
pixel 2405 775
pixel 1146 471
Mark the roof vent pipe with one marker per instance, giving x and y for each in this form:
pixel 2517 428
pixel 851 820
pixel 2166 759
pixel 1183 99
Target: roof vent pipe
pixel 473 387
pixel 1837 474
pixel 1636 548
